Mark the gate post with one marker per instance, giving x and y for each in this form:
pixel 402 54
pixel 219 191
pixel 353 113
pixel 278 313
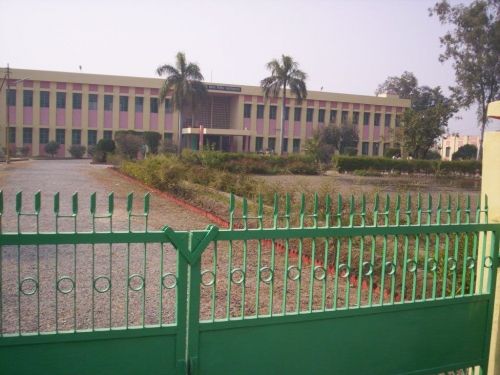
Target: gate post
pixel 490 185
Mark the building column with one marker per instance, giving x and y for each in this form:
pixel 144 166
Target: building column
pixel 489 185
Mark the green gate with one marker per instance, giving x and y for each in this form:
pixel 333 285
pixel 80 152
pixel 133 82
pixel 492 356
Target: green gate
pixel 387 286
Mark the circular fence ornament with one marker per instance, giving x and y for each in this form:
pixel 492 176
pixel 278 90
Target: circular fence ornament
pixel 319 273
pixel 204 281
pixel 266 279
pixel 102 289
pixel 453 266
pixel 25 282
pixel 237 276
pixel 69 288
pixel 470 262
pixel 391 267
pixel 293 273
pixel 369 271
pixel 344 270
pixel 432 264
pixel 488 262
pixel 411 265
pixel 138 287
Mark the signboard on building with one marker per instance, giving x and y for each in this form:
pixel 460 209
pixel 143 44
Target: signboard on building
pixel 224 88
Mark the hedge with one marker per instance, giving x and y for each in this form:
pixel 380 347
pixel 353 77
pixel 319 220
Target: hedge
pixel 436 167
pixel 252 163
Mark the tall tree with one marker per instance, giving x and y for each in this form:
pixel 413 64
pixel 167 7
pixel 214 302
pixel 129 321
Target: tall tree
pixel 427 119
pixel 473 45
pixel 184 82
pixel 285 73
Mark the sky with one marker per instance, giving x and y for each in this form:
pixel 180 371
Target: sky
pixel 346 46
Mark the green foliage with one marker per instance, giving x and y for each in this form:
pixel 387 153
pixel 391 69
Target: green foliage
pixel 433 155
pixel 342 138
pixel 392 152
pixel 77 151
pixel 428 117
pixel 106 145
pixel 51 148
pixel 285 74
pixel 473 46
pixel 128 143
pixel 152 140
pixel 252 163
pixel 466 152
pixel 166 146
pixel 436 167
pixel 184 82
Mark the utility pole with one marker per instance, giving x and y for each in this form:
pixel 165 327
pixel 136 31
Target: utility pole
pixel 7 127
pixel 6 79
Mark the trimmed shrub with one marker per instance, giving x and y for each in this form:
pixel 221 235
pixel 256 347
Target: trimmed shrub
pixel 51 148
pixel 77 151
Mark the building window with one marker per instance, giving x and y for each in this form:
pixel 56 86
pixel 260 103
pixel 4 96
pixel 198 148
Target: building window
pixel 139 104
pixel 77 100
pixel 61 100
pixel 61 136
pixel 271 144
pixel 309 114
pixel 387 145
pixel 107 135
pixel 333 116
pixel 93 102
pixel 123 103
pixel 260 111
pixel 247 111
pixel 44 99
pixel 108 102
pixel 287 113
pixel 343 118
pixel 12 135
pixel 285 145
pixel 76 137
pixel 272 112
pixel 44 135
pixel 28 98
pixel 11 97
pixel 153 105
pixel 366 118
pixel 376 121
pixel 321 115
pixel 447 152
pixel 355 118
pixel 296 145
pixel 297 113
pixel 375 148
pixel 398 120
pixel 387 120
pixel 168 106
pixel 259 144
pixel 27 135
pixel 364 148
pixel 91 137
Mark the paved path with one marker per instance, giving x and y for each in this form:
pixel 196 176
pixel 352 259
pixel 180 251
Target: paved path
pixel 69 176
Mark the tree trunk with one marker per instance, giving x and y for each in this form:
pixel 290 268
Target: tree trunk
pixel 283 103
pixel 179 135
pixel 484 120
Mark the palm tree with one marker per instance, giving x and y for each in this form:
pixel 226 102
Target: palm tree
pixel 284 73
pixel 184 82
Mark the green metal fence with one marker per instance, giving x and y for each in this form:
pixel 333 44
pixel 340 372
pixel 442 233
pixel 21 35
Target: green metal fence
pixel 387 285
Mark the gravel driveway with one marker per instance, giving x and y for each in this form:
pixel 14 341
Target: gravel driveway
pixel 84 286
